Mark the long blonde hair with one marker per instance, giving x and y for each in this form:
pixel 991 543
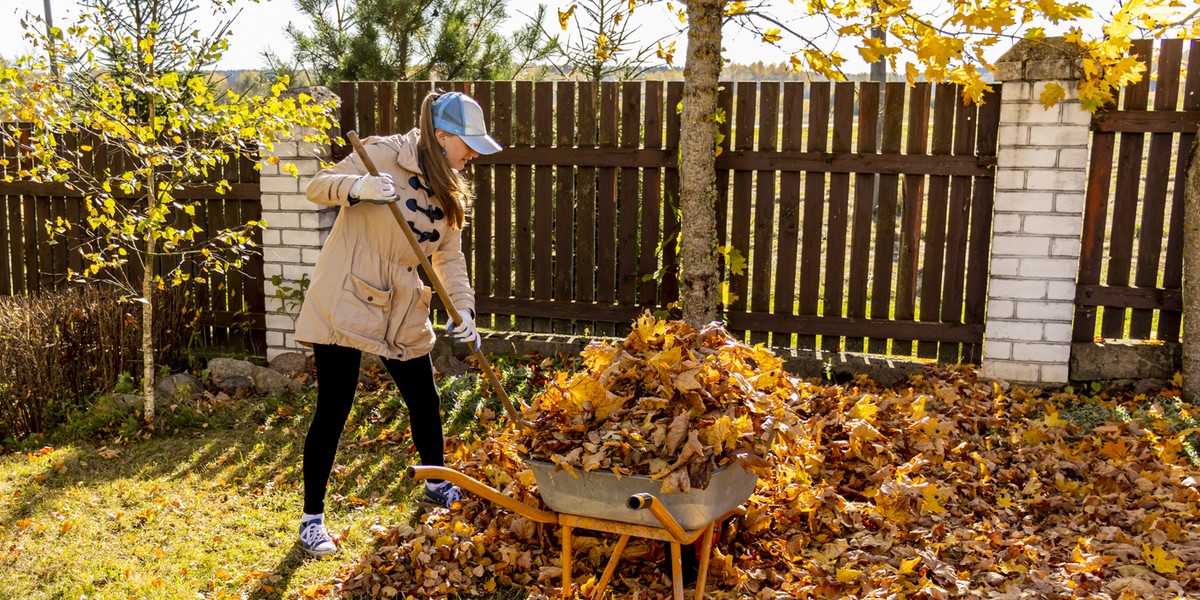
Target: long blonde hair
pixel 451 191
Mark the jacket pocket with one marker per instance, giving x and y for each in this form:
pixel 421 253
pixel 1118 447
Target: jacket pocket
pixel 362 309
pixel 415 330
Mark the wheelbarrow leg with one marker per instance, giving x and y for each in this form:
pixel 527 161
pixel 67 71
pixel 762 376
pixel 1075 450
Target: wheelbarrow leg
pixel 677 570
pixel 705 555
pixel 566 561
pixel 611 568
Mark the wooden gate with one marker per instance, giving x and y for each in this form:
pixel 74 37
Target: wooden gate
pixel 1131 261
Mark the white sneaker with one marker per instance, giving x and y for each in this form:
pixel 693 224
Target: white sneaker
pixel 315 538
pixel 443 494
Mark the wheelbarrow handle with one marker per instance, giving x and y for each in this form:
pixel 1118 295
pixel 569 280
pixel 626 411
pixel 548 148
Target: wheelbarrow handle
pixel 648 501
pixel 482 490
pixel 436 281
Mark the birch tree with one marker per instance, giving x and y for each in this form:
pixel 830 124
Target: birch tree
pixel 133 88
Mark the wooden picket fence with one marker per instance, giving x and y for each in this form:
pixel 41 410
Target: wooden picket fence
pixel 862 211
pixel 1131 265
pixel 232 305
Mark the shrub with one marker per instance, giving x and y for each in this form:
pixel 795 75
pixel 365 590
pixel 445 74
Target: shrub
pixel 60 349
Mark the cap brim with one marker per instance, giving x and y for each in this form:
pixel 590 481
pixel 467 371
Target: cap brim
pixel 483 144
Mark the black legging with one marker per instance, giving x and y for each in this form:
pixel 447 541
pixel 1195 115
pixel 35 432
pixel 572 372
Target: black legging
pixel 337 380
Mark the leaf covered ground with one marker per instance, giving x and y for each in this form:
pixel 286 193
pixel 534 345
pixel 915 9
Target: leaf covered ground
pixel 942 486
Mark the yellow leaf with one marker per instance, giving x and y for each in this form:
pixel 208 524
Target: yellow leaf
pixel 772 35
pixel 865 409
pixel 563 17
pixel 846 575
pixel 907 565
pixel 1052 94
pixel 1160 559
pixel 1051 419
pixel 931 504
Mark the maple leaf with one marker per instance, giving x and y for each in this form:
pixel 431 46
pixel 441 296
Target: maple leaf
pixel 1160 559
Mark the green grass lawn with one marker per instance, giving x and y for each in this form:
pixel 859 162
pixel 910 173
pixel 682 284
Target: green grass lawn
pixel 208 511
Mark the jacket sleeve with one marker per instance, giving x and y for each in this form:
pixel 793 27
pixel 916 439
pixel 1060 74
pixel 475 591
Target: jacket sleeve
pixel 331 187
pixel 451 267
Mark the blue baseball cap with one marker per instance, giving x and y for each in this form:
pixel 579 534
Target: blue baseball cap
pixel 458 114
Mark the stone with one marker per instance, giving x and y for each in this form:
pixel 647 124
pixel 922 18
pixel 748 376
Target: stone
pixel 291 364
pixel 266 381
pixel 1124 360
pixel 450 366
pixel 179 386
pixel 1052 58
pixel 237 386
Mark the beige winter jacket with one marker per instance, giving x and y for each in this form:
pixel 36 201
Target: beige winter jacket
pixel 366 292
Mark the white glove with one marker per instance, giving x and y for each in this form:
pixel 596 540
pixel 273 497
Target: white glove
pixel 465 331
pixel 375 188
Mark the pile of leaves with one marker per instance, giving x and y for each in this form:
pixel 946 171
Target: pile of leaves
pixel 668 402
pixel 943 486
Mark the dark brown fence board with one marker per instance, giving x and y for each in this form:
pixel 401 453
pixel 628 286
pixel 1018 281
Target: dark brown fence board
pixel 813 227
pixel 670 282
pixel 1095 218
pixel 1140 121
pixel 1169 322
pixel 478 241
pixel 885 215
pixel 407 106
pixel 911 208
pixel 982 201
pixel 933 255
pixel 1125 202
pixel 502 99
pixel 629 197
pixel 585 202
pixel 1154 197
pixel 864 200
pixel 366 105
pixel 740 211
pixel 839 207
pixel 825 162
pixel 764 207
pixel 808 325
pixel 651 199
pixel 523 199
pixel 564 210
pixel 606 204
pixel 789 210
pixel 1129 297
pixel 957 221
pixel 386 102
pixel 543 201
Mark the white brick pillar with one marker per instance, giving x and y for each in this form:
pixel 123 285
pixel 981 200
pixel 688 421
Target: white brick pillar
pixel 296 230
pixel 1041 178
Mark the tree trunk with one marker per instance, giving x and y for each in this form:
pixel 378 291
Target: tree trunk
pixel 1191 277
pixel 697 163
pixel 148 293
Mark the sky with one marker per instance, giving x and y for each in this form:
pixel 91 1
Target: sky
pixel 261 26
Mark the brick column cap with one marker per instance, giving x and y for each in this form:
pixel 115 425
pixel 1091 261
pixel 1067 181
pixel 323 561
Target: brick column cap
pixel 1052 58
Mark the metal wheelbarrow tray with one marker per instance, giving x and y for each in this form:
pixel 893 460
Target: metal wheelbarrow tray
pixel 603 494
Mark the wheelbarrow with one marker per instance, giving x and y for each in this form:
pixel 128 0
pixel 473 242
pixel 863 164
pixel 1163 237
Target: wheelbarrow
pixel 600 501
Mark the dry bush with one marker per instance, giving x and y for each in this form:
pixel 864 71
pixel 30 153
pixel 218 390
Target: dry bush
pixel 60 349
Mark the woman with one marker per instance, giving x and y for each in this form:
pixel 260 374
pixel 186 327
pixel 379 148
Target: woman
pixel 366 295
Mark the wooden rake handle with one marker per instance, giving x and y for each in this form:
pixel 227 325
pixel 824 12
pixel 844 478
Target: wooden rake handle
pixel 451 311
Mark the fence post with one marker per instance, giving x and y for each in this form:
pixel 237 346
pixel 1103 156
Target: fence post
pixel 296 230
pixel 1041 180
